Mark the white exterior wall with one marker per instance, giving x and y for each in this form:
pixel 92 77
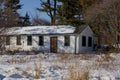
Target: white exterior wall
pixel 24 47
pixel 67 49
pixel 78 43
pixel 46 48
pixel 60 43
pixel 88 33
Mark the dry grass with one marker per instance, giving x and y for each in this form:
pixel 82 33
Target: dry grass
pixel 63 56
pixel 41 58
pixel 107 62
pixel 34 72
pixel 86 56
pixel 75 72
pixel 19 60
pixel 37 71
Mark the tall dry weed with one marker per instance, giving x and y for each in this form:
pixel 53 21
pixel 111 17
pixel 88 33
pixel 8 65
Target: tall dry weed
pixel 75 73
pixel 37 71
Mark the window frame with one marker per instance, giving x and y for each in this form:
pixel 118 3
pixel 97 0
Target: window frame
pixel 41 41
pixel 90 41
pixel 7 40
pixel 66 40
pixel 18 40
pixel 29 40
pixel 84 41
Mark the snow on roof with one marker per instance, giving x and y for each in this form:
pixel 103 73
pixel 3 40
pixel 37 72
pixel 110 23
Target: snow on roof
pixel 61 29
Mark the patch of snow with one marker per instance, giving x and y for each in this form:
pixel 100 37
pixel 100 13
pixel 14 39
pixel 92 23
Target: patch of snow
pixel 100 74
pixel 52 67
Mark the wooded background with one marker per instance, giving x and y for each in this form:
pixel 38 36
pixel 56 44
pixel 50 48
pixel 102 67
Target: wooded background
pixel 103 16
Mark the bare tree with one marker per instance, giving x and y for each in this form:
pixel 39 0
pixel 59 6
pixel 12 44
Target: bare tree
pixel 105 19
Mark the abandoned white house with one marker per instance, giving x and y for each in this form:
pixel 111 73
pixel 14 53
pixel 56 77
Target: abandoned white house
pixel 60 38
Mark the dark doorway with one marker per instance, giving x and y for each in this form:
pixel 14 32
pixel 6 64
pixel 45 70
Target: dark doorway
pixel 53 45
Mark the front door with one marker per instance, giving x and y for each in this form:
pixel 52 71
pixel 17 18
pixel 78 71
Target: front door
pixel 53 45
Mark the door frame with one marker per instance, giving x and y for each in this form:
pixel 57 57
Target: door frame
pixel 52 43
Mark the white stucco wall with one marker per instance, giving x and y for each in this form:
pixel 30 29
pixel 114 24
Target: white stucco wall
pixel 46 47
pixel 78 43
pixel 67 49
pixel 88 33
pixel 60 43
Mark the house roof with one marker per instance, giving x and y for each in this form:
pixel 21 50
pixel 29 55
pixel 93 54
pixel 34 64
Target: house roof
pixel 61 29
pixel 80 28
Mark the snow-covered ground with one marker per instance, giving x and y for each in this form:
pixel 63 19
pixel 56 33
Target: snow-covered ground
pixel 50 66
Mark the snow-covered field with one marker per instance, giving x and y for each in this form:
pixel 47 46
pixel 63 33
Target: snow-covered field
pixel 50 66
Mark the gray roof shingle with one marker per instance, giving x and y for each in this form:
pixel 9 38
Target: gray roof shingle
pixel 80 29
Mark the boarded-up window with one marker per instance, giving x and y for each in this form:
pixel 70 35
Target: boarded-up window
pixel 67 41
pixel 7 40
pixel 84 41
pixel 18 40
pixel 29 40
pixel 89 41
pixel 41 40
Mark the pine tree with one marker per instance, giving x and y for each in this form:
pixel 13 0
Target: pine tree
pixel 10 12
pixel 50 7
pixel 24 20
pixel 68 12
pixel 72 11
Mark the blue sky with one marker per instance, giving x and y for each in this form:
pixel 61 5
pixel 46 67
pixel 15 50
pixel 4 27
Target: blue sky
pixel 30 7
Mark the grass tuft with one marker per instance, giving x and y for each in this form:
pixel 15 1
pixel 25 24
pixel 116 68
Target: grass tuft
pixel 38 71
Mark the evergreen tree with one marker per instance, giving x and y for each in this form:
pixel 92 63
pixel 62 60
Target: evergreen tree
pixel 24 20
pixel 68 12
pixel 72 11
pixel 10 13
pixel 50 7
